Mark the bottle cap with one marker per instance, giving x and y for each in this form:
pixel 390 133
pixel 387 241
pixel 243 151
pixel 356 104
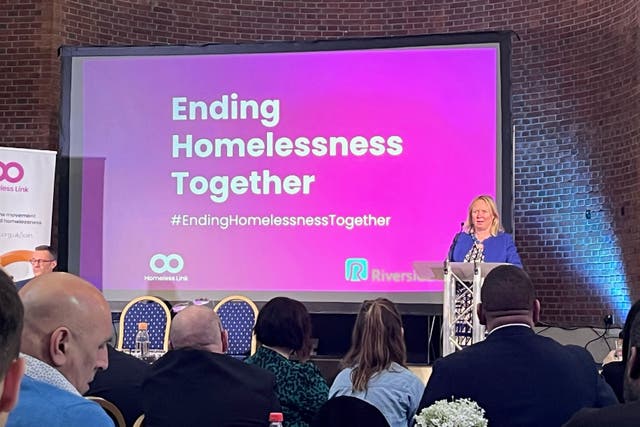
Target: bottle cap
pixel 143 326
pixel 275 417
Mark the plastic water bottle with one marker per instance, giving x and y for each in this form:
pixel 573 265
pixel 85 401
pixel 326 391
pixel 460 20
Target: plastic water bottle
pixel 275 419
pixel 142 340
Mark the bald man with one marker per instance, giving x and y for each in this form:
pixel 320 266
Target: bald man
pixel 519 378
pixel 67 324
pixel 196 384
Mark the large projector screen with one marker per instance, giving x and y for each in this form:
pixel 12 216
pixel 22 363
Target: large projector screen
pixel 317 170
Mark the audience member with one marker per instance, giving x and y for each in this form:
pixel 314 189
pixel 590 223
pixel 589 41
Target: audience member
pixel 627 414
pixel 11 366
pixel 614 371
pixel 43 260
pixel 376 365
pixel 121 384
pixel 518 377
pixel 196 384
pixel 67 324
pixel 283 329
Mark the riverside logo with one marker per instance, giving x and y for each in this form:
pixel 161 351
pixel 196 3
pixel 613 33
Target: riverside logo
pixel 357 270
pixel 162 264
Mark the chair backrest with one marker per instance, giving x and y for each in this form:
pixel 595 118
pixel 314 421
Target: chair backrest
pixel 139 421
pixel 348 411
pixel 151 310
pixel 238 315
pixel 111 410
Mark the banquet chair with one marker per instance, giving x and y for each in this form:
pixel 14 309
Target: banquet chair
pixel 139 422
pixel 151 310
pixel 111 409
pixel 238 315
pixel 349 411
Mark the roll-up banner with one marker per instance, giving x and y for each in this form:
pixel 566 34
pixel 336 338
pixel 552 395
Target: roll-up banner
pixel 26 205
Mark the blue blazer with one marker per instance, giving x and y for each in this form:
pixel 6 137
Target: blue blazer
pixel 500 248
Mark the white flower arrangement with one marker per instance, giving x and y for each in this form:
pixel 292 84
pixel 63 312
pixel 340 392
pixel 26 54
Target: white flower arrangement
pixel 455 413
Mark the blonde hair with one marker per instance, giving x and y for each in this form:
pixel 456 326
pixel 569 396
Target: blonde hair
pixel 376 342
pixel 495 224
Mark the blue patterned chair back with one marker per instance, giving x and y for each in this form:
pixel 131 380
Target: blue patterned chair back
pixel 147 309
pixel 238 316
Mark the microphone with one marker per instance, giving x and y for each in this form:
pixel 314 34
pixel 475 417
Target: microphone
pixel 455 240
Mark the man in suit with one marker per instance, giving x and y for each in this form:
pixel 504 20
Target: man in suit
pixel 627 414
pixel 11 366
pixel 121 384
pixel 196 384
pixel 519 378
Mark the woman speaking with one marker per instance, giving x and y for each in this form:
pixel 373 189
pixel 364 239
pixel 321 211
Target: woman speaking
pixel 483 238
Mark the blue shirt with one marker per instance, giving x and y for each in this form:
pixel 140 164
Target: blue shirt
pixel 396 392
pixel 41 404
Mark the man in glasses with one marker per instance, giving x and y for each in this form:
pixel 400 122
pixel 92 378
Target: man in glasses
pixel 44 260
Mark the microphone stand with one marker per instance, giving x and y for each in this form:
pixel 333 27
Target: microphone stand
pixel 453 244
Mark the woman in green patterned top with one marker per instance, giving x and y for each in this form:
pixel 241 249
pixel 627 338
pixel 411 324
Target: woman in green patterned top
pixel 283 329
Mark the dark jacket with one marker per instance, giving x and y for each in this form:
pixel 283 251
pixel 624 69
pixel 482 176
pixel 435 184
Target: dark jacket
pixel 520 379
pixel 188 387
pixel 121 384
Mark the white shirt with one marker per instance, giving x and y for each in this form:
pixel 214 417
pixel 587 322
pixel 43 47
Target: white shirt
pixel 507 325
pixel 38 370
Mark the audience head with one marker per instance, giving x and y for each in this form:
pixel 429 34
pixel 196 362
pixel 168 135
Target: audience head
pixel 626 329
pixel 376 342
pixel 486 204
pixel 285 323
pixel 44 260
pixel 11 367
pixel 507 296
pixel 67 324
pixel 198 327
pixel 632 372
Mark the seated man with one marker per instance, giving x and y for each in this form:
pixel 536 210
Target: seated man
pixel 44 260
pixel 196 384
pixel 519 378
pixel 121 384
pixel 627 414
pixel 67 324
pixel 11 367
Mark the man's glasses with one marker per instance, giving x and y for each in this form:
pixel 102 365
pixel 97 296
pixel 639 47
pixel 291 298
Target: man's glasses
pixel 198 301
pixel 35 261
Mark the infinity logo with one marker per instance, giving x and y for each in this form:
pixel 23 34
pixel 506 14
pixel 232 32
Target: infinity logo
pixel 356 269
pixel 6 175
pixel 168 264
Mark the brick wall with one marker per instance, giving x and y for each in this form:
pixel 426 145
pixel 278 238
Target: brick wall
pixel 576 105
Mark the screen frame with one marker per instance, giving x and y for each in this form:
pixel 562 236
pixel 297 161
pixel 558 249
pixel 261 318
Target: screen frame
pixel 69 217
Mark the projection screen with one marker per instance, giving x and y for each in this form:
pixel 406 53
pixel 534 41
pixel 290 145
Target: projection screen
pixel 317 170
